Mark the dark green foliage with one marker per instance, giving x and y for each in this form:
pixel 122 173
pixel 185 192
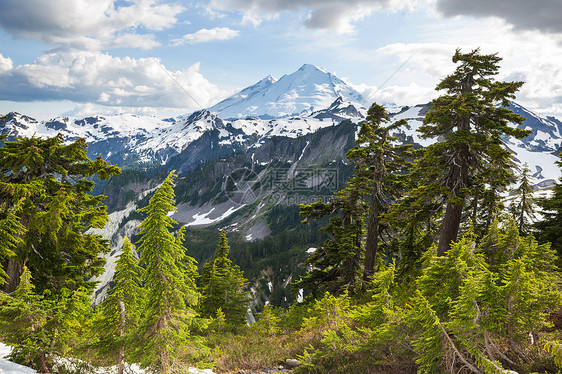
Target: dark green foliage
pixel 337 266
pixel 380 167
pixel 344 260
pixel 11 231
pixel 549 229
pixel 470 120
pixel 410 243
pixel 171 293
pixel 48 182
pixel 222 287
pixel 475 313
pixel 38 327
pixel 523 205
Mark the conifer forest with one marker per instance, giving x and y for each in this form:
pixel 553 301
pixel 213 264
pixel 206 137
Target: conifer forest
pixel 435 259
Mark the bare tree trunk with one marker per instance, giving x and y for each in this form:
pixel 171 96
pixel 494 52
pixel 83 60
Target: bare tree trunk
pixel 43 364
pixel 453 213
pixel 163 353
pixel 450 228
pixel 371 246
pixel 14 271
pixel 121 354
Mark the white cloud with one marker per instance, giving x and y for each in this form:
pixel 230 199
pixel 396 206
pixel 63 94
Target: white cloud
pixel 90 109
pixel 337 16
pixel 88 76
pixel 323 14
pixel 6 64
pixel 206 35
pixel 85 24
pixel 541 15
pixel 411 94
pixel 144 42
pixel 529 56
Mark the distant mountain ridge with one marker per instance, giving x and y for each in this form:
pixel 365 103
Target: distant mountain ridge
pixel 142 141
pixel 257 113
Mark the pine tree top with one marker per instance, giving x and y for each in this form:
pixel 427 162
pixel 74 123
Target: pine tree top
pixel 223 249
pixel 25 288
pixel 128 273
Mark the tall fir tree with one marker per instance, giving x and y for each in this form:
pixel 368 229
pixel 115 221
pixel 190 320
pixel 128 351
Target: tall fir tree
pixel 380 165
pixel 337 266
pixel 523 204
pixel 171 296
pixel 222 286
pixel 549 229
pixel 470 120
pixel 120 311
pixel 345 261
pixel 50 182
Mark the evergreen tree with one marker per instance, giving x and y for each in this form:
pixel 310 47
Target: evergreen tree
pixel 378 162
pixel 411 241
pixel 337 266
pixel 170 295
pixel 45 212
pixel 523 205
pixel 38 327
pixel 477 305
pixel 49 182
pixel 268 321
pixel 345 261
pixel 11 231
pixel 22 314
pixel 222 287
pixel 549 229
pixel 470 120
pixel 120 311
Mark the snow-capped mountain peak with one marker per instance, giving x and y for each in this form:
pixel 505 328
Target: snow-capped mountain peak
pixel 546 131
pixel 341 109
pixel 237 100
pixel 308 89
pixel 14 122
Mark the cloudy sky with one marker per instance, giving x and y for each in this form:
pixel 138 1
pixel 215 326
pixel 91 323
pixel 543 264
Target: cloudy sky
pixel 160 57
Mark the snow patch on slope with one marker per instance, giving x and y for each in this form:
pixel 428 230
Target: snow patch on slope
pixel 203 218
